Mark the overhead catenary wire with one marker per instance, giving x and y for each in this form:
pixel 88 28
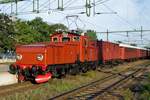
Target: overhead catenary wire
pixel 48 4
pixel 24 6
pixel 144 16
pixel 68 3
pixel 18 8
pixel 40 6
pixel 37 10
pixel 123 19
pixel 101 2
pixel 81 7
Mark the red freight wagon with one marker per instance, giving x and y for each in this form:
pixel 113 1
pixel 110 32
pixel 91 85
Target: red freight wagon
pixel 108 52
pixel 92 51
pixel 138 53
pixel 143 53
pixel 128 52
pixel 148 53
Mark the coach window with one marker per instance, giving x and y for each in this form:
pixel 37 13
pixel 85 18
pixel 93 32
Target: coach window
pixel 55 39
pixel 65 39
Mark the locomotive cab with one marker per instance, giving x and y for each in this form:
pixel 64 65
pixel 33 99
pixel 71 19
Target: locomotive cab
pixel 64 37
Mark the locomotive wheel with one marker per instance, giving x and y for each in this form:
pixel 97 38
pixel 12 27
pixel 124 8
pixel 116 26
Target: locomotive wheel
pixel 55 73
pixel 21 78
pixel 94 67
pixel 61 73
pixel 12 69
pixel 84 69
pixel 64 72
pixel 74 70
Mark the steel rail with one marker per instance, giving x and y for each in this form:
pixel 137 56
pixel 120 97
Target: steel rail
pixel 71 94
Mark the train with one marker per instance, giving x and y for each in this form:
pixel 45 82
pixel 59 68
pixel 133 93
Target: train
pixel 69 53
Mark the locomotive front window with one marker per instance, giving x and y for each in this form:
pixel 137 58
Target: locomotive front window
pixel 65 39
pixel 55 39
pixel 77 38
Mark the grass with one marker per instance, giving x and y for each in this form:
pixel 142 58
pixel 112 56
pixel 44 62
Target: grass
pixel 57 86
pixel 128 95
pixel 143 94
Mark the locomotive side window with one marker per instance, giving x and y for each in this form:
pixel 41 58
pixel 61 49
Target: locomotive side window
pixel 55 39
pixel 76 38
pixel 85 43
pixel 65 39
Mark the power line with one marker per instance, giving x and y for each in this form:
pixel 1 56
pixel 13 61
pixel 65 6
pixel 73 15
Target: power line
pixel 101 2
pixel 39 7
pixel 129 31
pixel 126 21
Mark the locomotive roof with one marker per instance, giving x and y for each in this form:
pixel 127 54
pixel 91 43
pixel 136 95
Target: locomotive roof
pixel 130 46
pixel 61 33
pixel 41 44
pixel 36 45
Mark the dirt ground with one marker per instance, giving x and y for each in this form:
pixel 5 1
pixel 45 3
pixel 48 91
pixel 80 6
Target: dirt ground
pixel 29 91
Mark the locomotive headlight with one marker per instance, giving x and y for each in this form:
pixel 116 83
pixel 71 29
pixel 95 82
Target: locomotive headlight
pixel 19 57
pixel 40 57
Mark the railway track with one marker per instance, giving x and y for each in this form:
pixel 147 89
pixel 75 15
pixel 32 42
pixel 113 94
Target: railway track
pixel 8 90
pixel 109 90
pixel 97 88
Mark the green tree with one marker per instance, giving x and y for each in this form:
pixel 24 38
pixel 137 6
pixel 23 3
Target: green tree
pixel 92 34
pixel 6 30
pixel 24 34
pixel 44 29
pixel 40 26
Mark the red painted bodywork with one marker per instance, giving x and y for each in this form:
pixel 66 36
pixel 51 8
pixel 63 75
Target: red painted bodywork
pixel 57 52
pixel 29 53
pixel 148 54
pixel 128 53
pixel 108 51
pixel 75 48
pixel 143 53
pixel 43 78
pixel 132 53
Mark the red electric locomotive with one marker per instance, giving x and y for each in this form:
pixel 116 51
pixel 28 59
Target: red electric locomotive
pixel 65 53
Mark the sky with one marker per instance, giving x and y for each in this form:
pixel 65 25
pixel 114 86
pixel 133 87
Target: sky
pixel 131 15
